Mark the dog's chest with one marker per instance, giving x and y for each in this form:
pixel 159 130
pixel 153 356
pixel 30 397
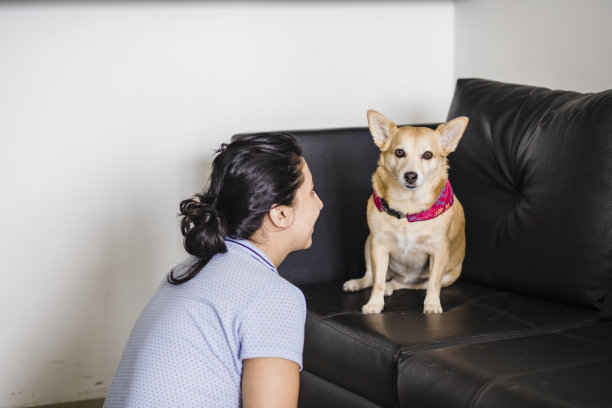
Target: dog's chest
pixel 403 242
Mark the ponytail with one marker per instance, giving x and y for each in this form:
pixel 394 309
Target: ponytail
pixel 204 230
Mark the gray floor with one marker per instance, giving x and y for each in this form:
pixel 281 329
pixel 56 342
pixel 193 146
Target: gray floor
pixel 97 403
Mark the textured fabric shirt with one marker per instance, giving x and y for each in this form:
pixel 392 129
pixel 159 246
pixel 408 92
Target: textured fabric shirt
pixel 188 345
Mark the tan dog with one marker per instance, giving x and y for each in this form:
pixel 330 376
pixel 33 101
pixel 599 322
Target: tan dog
pixel 411 183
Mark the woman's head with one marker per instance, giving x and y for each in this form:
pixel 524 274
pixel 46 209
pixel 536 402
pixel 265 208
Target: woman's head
pixel 249 177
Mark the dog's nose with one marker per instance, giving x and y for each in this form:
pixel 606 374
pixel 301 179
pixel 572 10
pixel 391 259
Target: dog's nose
pixel 411 177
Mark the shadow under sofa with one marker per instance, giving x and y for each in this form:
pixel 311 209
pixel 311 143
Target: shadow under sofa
pixel 528 323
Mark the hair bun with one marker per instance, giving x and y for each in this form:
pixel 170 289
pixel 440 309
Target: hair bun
pixel 203 227
pixel 197 214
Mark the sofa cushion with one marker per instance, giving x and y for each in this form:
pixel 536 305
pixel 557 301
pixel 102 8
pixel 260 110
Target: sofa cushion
pixel 534 174
pixel 360 352
pixel 568 368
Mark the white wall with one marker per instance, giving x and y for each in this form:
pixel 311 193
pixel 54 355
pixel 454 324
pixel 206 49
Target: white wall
pixel 109 114
pixel 560 44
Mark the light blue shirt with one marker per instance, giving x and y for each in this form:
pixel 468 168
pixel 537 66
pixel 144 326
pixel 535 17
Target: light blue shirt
pixel 188 345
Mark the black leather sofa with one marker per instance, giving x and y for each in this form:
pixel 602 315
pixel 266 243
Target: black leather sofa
pixel 528 323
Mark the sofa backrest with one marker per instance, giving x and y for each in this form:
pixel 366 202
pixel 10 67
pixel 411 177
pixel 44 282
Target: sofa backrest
pixel 342 162
pixel 534 174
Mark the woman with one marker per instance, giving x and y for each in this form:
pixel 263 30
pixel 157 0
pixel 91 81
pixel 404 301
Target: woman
pixel 225 329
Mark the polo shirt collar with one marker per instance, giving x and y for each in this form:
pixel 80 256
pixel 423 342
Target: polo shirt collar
pixel 246 246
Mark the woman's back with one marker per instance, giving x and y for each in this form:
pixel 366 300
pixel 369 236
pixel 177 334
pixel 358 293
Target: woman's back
pixel 199 332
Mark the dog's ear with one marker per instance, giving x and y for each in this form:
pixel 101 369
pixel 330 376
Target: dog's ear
pixel 380 128
pixel 451 132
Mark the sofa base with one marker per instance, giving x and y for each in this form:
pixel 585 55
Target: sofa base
pixel 316 392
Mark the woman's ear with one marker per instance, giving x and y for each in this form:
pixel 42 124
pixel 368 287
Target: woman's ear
pixel 281 216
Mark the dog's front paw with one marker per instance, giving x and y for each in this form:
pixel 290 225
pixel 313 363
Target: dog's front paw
pixel 372 308
pixel 351 285
pixel 432 308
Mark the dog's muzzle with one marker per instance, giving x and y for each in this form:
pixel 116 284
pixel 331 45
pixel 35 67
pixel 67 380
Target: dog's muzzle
pixel 411 179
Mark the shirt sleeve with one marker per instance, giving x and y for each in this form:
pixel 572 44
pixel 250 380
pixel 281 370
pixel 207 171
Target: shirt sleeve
pixel 273 324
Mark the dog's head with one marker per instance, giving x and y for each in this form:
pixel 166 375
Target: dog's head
pixel 415 155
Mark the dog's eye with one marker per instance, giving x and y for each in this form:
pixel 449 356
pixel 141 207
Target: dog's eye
pixel 400 153
pixel 427 155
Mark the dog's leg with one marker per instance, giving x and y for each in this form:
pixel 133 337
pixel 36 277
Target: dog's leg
pixel 354 285
pixel 390 288
pixel 395 285
pixel 380 263
pixel 450 277
pixel 438 262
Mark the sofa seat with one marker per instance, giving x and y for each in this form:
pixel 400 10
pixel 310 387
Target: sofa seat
pixel 561 368
pixel 383 358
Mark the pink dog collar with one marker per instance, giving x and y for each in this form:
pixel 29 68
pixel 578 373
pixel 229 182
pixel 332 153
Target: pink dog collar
pixel 443 203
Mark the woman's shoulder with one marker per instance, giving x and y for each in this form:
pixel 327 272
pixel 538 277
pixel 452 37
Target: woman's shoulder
pixel 231 267
pixel 280 294
pixel 238 276
pixel 267 284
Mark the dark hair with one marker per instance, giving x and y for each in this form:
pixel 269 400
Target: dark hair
pixel 249 176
